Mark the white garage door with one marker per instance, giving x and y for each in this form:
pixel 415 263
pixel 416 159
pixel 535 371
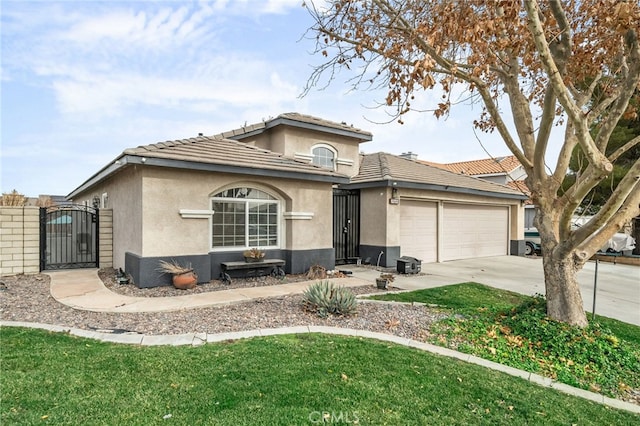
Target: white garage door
pixel 474 231
pixel 419 230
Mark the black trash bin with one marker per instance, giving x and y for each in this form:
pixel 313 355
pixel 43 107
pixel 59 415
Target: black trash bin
pixel 408 265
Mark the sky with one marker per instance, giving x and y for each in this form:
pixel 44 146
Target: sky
pixel 84 80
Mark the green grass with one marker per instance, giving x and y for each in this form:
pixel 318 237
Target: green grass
pixel 513 329
pixel 459 296
pixel 281 380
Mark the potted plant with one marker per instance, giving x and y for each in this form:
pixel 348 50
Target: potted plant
pixel 183 275
pixel 253 255
pixel 382 282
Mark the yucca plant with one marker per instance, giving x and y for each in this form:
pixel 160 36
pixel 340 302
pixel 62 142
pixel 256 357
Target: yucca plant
pixel 325 298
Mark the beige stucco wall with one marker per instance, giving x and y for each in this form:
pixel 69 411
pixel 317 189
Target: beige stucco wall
pixel 373 216
pixel 168 191
pixel 380 220
pixel 291 141
pixel 124 192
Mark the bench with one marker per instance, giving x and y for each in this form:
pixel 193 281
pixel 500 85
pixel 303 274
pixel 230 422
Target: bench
pixel 252 267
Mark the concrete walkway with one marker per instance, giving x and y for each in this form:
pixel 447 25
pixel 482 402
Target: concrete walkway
pixel 82 289
pixel 617 296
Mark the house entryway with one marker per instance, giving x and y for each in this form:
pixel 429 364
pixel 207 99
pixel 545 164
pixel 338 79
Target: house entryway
pixel 69 237
pixel 346 225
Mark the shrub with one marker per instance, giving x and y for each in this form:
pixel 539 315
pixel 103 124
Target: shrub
pixel 325 298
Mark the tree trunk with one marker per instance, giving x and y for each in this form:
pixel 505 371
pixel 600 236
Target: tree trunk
pixel 564 301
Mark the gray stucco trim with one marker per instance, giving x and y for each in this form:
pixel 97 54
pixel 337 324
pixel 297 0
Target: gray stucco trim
pixel 144 270
pixel 517 247
pixel 390 255
pixel 145 274
pixel 431 187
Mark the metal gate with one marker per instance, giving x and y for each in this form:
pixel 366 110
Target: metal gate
pixel 346 225
pixel 68 237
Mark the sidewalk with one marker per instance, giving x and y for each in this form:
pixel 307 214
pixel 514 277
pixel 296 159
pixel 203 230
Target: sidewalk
pixel 82 289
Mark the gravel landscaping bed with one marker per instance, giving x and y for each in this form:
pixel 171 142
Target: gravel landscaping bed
pixel 27 298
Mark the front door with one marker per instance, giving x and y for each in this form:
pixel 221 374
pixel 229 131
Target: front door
pixel 346 225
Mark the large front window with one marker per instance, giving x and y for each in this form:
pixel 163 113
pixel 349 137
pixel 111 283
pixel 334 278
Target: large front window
pixel 244 217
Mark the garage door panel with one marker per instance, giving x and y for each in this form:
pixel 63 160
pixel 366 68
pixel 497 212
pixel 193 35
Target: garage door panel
pixel 419 230
pixel 474 231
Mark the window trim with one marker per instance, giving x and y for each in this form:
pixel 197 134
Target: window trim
pixel 277 200
pixel 330 148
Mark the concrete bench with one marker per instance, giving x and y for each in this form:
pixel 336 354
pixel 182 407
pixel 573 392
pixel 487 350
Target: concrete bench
pixel 252 267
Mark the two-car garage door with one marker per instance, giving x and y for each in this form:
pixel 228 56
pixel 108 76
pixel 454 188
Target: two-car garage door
pixel 467 231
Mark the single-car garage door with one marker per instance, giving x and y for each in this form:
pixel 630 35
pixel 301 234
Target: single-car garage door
pixel 419 230
pixel 474 231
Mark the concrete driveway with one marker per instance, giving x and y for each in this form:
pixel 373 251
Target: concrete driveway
pixel 618 289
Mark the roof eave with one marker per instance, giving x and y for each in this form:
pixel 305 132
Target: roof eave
pixel 107 171
pixel 431 187
pixel 126 160
pixel 363 136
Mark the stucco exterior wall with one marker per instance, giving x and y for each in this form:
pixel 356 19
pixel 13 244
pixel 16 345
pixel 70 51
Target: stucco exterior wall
pixel 380 220
pixel 297 143
pixel 306 210
pixel 124 199
pixel 373 216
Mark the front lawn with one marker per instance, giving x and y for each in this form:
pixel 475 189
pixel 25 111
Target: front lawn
pixel 281 380
pixel 512 329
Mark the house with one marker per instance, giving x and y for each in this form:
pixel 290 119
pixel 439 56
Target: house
pixel 503 170
pixel 433 214
pixel 297 187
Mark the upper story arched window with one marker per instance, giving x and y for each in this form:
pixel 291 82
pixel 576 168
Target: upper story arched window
pixel 324 156
pixel 244 217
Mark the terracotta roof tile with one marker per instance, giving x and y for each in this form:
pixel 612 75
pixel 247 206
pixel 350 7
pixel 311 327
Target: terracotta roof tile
pixel 487 166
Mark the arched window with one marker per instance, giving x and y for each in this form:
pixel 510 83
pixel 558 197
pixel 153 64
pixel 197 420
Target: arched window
pixel 323 156
pixel 244 217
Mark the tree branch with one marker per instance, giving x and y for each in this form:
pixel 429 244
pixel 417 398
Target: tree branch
pixel 597 158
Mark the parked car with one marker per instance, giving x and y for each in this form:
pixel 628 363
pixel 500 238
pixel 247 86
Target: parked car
pixel 619 243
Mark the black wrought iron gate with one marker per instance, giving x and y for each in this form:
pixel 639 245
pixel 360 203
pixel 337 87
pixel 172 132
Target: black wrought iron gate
pixel 346 224
pixel 68 237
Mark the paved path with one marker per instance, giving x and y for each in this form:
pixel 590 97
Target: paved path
pixel 82 289
pixel 618 289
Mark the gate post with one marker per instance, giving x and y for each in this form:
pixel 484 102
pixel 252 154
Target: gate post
pixel 43 237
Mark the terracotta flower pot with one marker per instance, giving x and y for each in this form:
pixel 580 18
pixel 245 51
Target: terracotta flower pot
pixel 185 281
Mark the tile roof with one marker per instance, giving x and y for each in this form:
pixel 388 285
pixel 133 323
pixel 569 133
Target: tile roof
pixel 486 166
pixel 298 120
pixel 384 167
pixel 217 151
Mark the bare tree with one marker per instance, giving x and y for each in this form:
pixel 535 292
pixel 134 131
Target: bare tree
pixel 569 62
pixel 13 198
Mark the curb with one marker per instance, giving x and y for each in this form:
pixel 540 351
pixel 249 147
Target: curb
pixel 198 339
